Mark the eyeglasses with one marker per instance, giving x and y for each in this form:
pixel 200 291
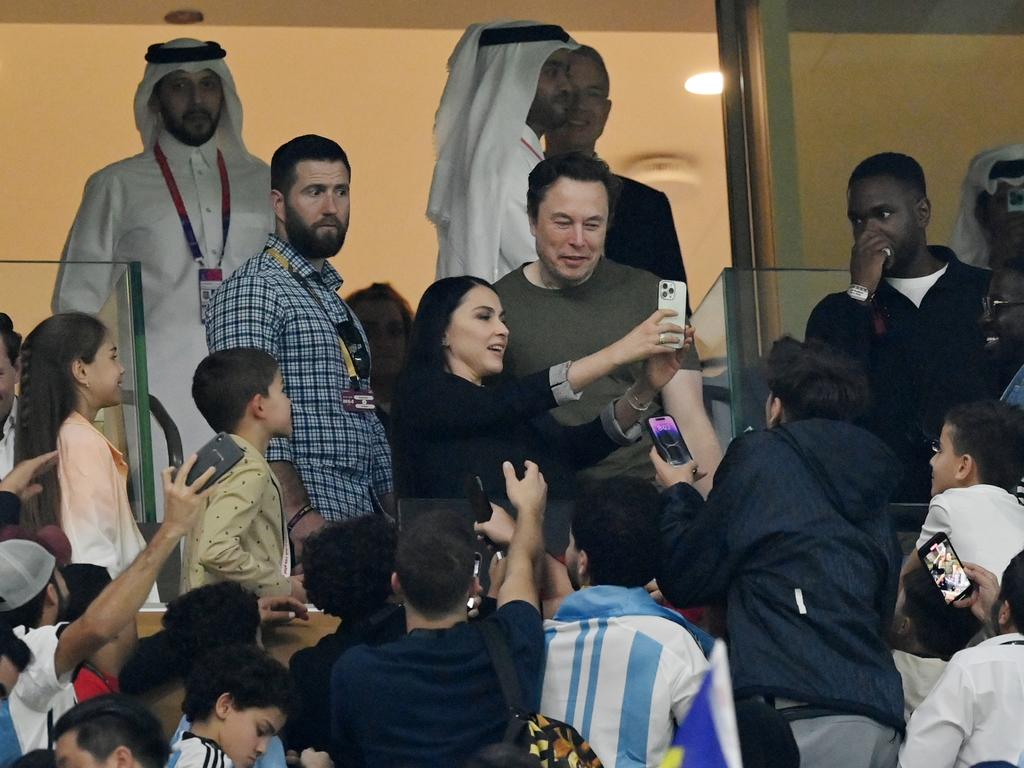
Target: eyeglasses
pixel 934 445
pixel 990 305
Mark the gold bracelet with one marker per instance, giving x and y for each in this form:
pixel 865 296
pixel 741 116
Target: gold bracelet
pixel 634 402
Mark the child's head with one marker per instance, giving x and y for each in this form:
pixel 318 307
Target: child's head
pixel 210 617
pixel 233 385
pixel 981 442
pixel 240 697
pixel 924 622
pixel 69 361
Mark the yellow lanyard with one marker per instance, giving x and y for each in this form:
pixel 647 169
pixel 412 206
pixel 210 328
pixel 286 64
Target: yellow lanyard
pixel 350 365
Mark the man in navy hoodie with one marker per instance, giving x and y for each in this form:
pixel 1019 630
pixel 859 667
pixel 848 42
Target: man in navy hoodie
pixel 795 539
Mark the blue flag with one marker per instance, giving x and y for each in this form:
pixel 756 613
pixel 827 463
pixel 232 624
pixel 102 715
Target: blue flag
pixel 707 737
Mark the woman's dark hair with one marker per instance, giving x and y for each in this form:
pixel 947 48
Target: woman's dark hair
pixel 384 292
pixel 10 338
pixel 433 315
pixel 48 397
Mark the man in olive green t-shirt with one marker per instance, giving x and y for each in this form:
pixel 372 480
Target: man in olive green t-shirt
pixel 572 301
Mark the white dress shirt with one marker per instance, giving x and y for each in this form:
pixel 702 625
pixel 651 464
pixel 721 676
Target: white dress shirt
pixel 7 440
pixel 975 713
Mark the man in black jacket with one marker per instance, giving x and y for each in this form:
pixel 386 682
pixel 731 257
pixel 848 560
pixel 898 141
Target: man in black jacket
pixel 795 538
pixel 910 316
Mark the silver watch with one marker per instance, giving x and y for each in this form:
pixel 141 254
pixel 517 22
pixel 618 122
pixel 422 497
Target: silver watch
pixel 858 292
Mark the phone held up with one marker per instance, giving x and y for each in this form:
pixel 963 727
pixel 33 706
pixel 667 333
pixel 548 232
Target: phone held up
pixel 941 561
pixel 222 453
pixel 479 503
pixel 672 295
pixel 665 433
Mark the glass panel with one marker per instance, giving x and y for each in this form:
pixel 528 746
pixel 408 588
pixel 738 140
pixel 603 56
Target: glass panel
pixel 743 313
pixel 126 426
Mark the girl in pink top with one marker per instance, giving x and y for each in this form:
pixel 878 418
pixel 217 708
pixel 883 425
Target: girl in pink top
pixel 70 371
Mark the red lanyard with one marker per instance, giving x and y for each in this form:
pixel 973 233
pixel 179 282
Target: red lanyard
pixel 179 204
pixel 532 150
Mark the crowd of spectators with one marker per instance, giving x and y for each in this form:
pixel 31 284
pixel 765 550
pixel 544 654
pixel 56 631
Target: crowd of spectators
pixel 526 373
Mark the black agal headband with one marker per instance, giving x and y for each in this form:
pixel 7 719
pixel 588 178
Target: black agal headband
pixel 535 33
pixel 159 53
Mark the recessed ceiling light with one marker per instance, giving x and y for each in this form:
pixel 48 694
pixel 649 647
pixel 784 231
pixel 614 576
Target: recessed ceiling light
pixel 705 84
pixel 184 16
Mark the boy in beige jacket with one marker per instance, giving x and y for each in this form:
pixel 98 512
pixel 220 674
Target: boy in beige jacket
pixel 242 536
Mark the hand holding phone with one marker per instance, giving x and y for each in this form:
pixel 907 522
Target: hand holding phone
pixel 672 295
pixel 668 441
pixel 221 453
pixel 947 571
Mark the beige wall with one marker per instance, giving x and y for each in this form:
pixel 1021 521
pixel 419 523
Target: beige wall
pixel 939 98
pixel 67 93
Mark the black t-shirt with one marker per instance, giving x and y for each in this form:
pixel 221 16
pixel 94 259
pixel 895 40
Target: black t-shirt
pixel 431 698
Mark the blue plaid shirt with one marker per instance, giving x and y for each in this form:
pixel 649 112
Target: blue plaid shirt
pixel 341 457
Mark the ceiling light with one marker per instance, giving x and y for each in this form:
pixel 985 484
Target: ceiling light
pixel 184 16
pixel 705 84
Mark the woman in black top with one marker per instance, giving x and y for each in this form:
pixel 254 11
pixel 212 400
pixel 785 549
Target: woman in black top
pixel 448 424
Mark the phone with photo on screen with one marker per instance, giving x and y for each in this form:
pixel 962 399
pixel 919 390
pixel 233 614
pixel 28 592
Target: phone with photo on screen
pixel 941 561
pixel 672 295
pixel 665 433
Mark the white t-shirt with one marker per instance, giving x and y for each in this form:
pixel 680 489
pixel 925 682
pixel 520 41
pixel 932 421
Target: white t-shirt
pixel 984 522
pixel 914 288
pixel 39 697
pixel 974 712
pixel 919 675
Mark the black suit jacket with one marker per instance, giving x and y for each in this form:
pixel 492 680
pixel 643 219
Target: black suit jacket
pixel 643 234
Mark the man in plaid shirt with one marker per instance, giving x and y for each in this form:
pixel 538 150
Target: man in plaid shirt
pixel 284 300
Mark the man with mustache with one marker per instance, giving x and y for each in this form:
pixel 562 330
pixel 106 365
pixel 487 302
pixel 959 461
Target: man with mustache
pixel 508 86
pixel 192 207
pixel 284 300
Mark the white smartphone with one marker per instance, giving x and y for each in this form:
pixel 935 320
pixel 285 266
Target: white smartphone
pixel 672 295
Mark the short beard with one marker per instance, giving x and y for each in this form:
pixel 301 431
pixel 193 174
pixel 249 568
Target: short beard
pixel 178 129
pixel 546 115
pixel 313 243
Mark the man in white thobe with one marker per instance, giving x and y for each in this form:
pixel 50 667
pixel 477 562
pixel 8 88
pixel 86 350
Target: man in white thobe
pixel 191 208
pixel 507 86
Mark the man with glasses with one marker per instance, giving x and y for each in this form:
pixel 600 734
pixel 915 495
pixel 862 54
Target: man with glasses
pixel 1003 325
pixel 910 316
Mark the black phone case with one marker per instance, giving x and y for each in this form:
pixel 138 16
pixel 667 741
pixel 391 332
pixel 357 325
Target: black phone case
pixel 222 453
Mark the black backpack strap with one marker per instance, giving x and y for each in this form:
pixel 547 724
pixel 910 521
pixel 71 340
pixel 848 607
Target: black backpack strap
pixel 504 668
